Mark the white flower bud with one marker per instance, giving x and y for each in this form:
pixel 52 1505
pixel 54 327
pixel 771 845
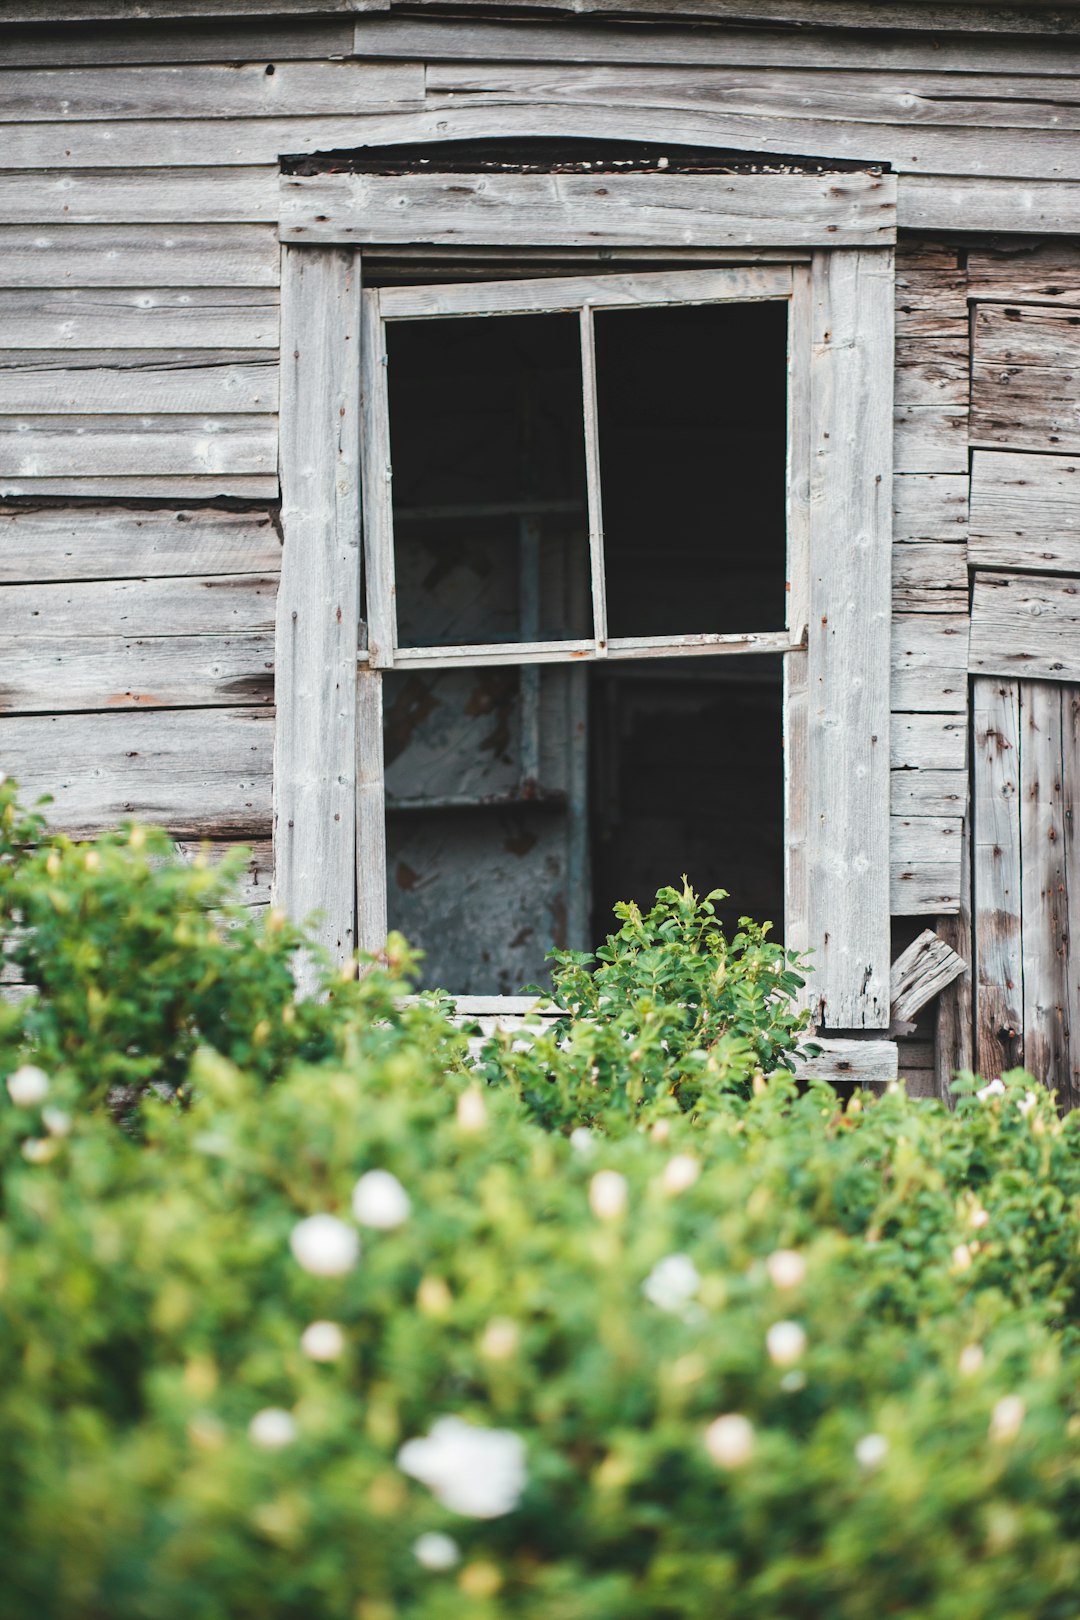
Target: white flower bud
pixel 272 1428
pixel 995 1088
pixel 729 1440
pixel 971 1359
pixel 582 1141
pixel 322 1341
pixel 786 1268
pixel 435 1551
pixel 661 1130
pixel 608 1193
pixel 1007 1418
pixel 56 1121
pixel 324 1246
pixel 962 1257
pixel 1027 1102
pixel 871 1451
pixel 680 1172
pixel 785 1342
pixel 479 1473
pixel 472 1110
pixel 380 1200
pixel 28 1086
pixel 500 1339
pixel 672 1282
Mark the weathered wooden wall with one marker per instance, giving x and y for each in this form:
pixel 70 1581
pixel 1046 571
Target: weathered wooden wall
pixel 139 346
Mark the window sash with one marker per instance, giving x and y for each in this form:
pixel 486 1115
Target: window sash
pixel 583 295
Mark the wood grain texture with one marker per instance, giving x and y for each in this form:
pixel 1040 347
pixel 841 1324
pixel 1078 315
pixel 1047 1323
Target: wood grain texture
pixel 1028 272
pixel 988 202
pixel 999 983
pixel 929 661
pixel 848 675
pixel 930 506
pixel 191 605
pixel 169 487
pixel 124 195
pixel 954 1034
pixel 144 256
pixel 110 542
pixel 1068 1076
pixel 928 742
pixel 319 597
pixel 924 888
pixel 1026 625
pixel 370 813
pixel 927 791
pixel 207 90
pixel 931 439
pixel 583 210
pixel 1025 377
pixel 200 773
pixel 34 448
pixel 137 381
pixel 145 317
pixel 444 39
pixel 1025 511
pixel 930 576
pixel 1044 885
pixel 63 672
pixel 921 972
pixel 213 41
pixel 623 290
pixel 254 887
pixel 868 1063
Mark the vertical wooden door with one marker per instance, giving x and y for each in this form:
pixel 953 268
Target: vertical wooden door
pixel 1026 880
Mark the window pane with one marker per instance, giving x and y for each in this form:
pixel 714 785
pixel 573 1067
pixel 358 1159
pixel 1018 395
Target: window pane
pixel 693 440
pixel 490 512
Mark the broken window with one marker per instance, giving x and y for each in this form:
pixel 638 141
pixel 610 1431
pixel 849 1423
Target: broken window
pixel 577 571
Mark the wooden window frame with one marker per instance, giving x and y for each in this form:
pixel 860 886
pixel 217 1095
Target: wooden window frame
pixel 329 810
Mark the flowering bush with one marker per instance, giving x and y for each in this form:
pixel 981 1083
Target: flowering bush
pixel 372 1342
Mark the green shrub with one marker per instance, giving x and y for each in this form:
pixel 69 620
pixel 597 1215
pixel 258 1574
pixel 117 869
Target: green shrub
pixel 748 1353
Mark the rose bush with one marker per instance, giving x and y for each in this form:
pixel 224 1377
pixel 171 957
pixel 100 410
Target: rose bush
pixel 361 1333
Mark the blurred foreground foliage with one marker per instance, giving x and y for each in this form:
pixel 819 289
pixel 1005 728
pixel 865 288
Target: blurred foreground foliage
pixel 708 1345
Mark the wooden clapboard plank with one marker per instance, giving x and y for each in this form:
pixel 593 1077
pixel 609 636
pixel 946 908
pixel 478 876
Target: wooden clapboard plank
pixel 38 447
pixel 190 605
pixel 170 487
pixel 954 1033
pixel 256 879
pixel 864 1063
pixel 924 888
pixel 121 196
pixel 54 671
pixel 1043 883
pixel 1025 511
pixel 587 210
pixel 929 576
pixel 200 773
pixel 1047 273
pixel 929 661
pixel 139 256
pixel 1026 625
pixel 931 302
pixel 139 318
pixel 933 370
pixel 319 599
pixel 928 742
pixel 920 973
pixel 931 438
pixel 848 654
pixel 929 506
pixel 627 290
pixel 981 202
pixel 928 792
pixel 207 90
pixel 999 975
pixel 53 543
pixel 925 105
pixel 136 381
pixel 926 838
pixel 1068 1077
pixel 435 39
pixel 278 39
pixel 1025 377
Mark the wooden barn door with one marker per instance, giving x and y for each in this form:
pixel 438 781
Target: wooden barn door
pixel 1027 880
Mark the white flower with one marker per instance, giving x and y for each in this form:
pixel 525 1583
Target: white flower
pixel 729 1440
pixel 608 1192
pixel 680 1172
pixel 472 1110
pixel 996 1088
pixel 380 1200
pixel 479 1473
pixel 1006 1418
pixel 1027 1102
pixel 962 1257
pixel 978 1216
pixel 871 1451
pixel 500 1339
pixel 322 1341
pixel 324 1246
pixel 56 1121
pixel 971 1359
pixel 582 1140
pixel 786 1268
pixel 28 1086
pixel 435 1551
pixel 272 1428
pixel 661 1130
pixel 785 1342
pixel 672 1282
